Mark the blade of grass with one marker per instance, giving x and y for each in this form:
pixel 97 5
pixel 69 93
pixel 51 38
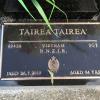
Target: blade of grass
pixel 42 13
pixel 52 77
pixel 24 6
pixel 52 10
pixel 50 2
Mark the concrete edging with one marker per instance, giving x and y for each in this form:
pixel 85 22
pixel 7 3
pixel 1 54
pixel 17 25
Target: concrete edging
pixel 50 93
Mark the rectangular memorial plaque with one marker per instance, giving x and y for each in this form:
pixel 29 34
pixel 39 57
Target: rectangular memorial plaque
pixel 33 51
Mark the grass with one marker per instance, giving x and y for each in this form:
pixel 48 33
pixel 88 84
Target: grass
pixel 40 10
pixel 42 13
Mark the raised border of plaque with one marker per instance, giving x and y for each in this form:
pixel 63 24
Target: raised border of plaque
pixel 53 60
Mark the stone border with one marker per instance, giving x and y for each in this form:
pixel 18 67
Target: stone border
pixel 50 93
